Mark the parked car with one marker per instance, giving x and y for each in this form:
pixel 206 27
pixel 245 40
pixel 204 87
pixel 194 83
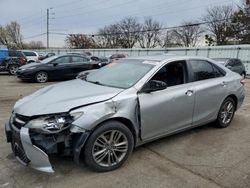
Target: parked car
pixel 31 56
pixel 233 64
pixel 61 67
pixel 117 56
pixel 101 118
pixel 10 60
pixel 18 55
pixel 44 56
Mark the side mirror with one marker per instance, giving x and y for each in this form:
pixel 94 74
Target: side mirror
pixel 154 85
pixel 55 64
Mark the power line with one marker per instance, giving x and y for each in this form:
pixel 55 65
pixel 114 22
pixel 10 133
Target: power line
pixel 35 36
pixel 164 13
pixel 149 30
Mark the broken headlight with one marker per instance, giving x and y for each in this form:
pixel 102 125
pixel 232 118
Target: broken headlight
pixel 53 123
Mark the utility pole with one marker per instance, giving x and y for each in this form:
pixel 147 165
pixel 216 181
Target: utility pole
pixel 48 24
pixel 47 28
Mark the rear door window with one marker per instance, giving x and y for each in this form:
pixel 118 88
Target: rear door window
pixel 202 70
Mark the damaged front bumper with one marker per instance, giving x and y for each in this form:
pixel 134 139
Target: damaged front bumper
pixel 35 156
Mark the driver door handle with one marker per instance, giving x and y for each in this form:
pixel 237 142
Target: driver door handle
pixel 189 92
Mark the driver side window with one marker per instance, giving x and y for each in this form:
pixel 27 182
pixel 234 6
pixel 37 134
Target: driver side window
pixel 172 74
pixel 61 60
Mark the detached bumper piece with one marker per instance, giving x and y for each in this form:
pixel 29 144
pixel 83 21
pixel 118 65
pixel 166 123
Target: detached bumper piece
pixel 25 152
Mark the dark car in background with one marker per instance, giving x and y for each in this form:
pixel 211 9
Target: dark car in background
pixel 116 57
pixel 233 64
pixel 44 56
pixel 61 67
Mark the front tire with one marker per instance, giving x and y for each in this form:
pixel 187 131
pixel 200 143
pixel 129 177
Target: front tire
pixel 41 77
pixel 108 147
pixel 12 69
pixel 226 113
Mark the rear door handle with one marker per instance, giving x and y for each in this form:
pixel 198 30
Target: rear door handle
pixel 189 92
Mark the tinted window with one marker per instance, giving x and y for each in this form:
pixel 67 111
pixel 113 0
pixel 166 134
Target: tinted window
pixel 202 70
pixel 172 74
pixel 76 59
pixel 218 72
pixel 29 53
pixel 231 62
pixel 238 62
pixel 60 60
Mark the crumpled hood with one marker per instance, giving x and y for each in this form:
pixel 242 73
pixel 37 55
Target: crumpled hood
pixel 62 97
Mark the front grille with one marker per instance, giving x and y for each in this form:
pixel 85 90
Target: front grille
pixel 19 120
pixel 19 152
pixel 17 148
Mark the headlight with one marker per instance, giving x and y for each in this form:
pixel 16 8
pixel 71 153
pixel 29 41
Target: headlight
pixel 53 123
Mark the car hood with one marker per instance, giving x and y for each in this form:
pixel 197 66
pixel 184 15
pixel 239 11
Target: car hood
pixel 30 65
pixel 63 97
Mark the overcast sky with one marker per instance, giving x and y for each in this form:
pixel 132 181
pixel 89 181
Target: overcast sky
pixel 86 16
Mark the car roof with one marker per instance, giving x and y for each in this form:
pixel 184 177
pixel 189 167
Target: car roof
pixel 167 57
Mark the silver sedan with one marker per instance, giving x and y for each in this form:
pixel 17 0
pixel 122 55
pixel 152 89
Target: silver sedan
pixel 103 115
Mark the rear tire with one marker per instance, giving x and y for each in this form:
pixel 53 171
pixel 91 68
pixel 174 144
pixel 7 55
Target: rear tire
pixel 12 69
pixel 226 113
pixel 108 147
pixel 41 77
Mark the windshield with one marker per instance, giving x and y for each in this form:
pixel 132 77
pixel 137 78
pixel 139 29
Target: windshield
pixel 47 60
pixel 122 74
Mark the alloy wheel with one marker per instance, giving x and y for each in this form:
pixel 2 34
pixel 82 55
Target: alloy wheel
pixel 41 77
pixel 110 148
pixel 227 112
pixel 13 69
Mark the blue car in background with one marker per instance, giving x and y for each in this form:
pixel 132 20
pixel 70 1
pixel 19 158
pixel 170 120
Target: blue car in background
pixel 11 60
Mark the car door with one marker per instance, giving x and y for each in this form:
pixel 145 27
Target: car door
pixel 78 65
pixel 60 68
pixel 167 110
pixel 211 89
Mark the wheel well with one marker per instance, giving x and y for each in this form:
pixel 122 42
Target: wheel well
pixel 124 121
pixel 234 98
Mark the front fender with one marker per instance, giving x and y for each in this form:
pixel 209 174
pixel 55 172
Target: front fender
pixel 95 114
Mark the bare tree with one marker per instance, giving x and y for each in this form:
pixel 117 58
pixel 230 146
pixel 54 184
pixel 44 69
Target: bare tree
pixel 129 30
pixel 109 37
pixel 3 36
pixel 241 20
pixel 218 21
pixel 79 41
pixel 34 45
pixel 150 35
pixel 187 35
pixel 14 34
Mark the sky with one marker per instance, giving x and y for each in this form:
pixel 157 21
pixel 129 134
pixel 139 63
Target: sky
pixel 87 16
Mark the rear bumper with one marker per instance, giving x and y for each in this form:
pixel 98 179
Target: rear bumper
pixel 25 152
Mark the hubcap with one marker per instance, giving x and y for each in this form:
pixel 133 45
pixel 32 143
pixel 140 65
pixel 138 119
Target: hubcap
pixel 41 77
pixel 110 148
pixel 13 69
pixel 227 112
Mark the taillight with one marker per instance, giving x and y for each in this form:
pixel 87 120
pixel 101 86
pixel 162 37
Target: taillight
pixel 243 81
